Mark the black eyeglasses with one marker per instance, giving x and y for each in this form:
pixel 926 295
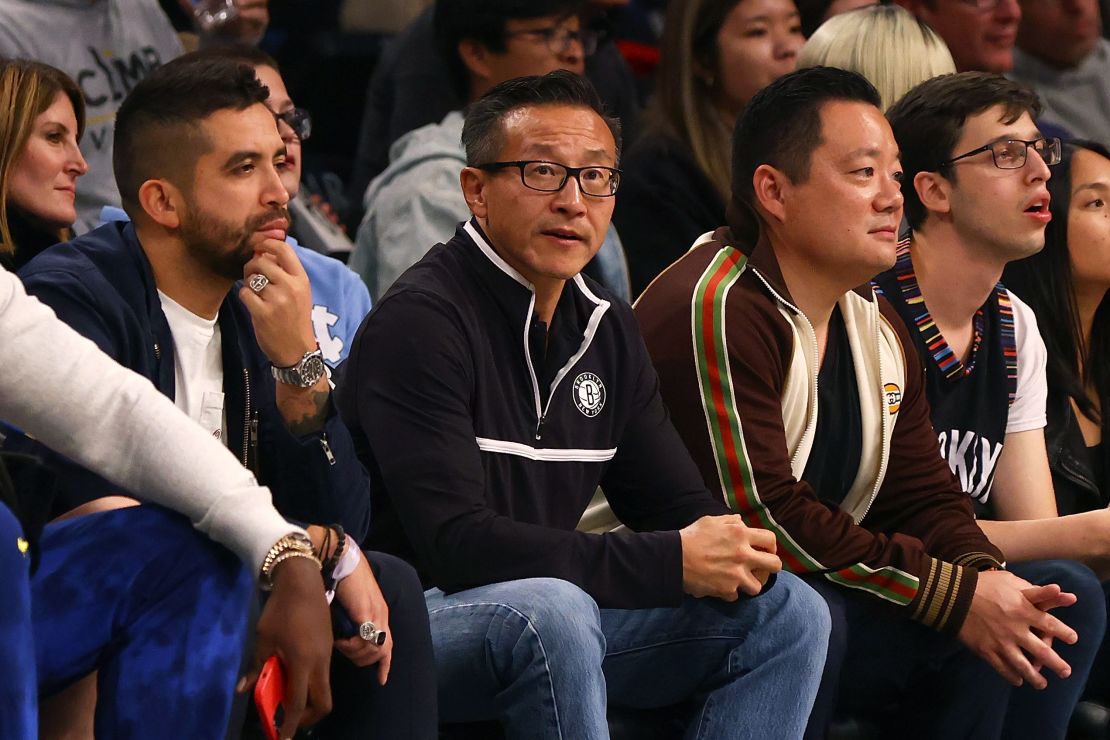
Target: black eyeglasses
pixel 559 38
pixel 550 177
pixel 1011 154
pixel 297 119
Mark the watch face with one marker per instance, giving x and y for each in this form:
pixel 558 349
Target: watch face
pixel 312 370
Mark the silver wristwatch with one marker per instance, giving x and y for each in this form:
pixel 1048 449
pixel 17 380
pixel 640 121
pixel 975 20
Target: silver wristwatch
pixel 305 373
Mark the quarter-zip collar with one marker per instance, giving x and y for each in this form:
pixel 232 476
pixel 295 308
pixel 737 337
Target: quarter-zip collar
pixel 516 297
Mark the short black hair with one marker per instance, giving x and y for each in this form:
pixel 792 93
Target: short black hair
pixel 483 133
pixel 238 52
pixel 484 21
pixel 781 127
pixel 927 122
pixel 157 132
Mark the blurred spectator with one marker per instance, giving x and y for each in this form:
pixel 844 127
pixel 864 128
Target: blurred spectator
pixel 1062 55
pixel 413 85
pixel 885 44
pixel 417 202
pixel 106 46
pixel 379 16
pixel 716 55
pixel 979 33
pixel 816 12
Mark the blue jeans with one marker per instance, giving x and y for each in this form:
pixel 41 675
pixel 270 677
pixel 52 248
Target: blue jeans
pixel 137 594
pixel 539 655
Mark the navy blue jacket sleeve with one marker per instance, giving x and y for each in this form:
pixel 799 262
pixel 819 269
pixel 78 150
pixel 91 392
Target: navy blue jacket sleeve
pixel 316 477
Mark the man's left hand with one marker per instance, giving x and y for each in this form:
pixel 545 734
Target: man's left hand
pixel 281 311
pixel 363 599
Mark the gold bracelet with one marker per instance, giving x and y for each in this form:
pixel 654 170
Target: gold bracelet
pixel 291 545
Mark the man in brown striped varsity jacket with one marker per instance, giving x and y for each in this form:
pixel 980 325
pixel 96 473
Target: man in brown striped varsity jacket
pixel 757 327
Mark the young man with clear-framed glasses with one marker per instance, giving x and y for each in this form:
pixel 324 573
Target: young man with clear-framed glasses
pixel 492 389
pixel 976 169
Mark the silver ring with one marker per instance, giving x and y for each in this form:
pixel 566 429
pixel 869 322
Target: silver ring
pixel 257 282
pixel 371 634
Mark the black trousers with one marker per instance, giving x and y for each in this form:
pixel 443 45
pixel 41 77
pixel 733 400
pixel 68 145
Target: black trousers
pixel 907 679
pixel 405 708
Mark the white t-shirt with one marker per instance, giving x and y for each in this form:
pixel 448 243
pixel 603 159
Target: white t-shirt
pixel 1028 409
pixel 198 366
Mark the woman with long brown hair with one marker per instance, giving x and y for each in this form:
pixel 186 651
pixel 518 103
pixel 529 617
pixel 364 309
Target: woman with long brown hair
pixel 716 55
pixel 42 118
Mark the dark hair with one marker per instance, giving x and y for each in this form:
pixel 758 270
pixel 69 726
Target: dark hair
pixel 484 21
pixel 1044 281
pixel 812 14
pixel 782 126
pixel 928 120
pixel 238 52
pixel 687 84
pixel 157 131
pixel 483 132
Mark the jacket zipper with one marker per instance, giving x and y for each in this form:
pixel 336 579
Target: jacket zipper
pixel 542 408
pixel 811 422
pixel 327 448
pixel 884 413
pixel 250 430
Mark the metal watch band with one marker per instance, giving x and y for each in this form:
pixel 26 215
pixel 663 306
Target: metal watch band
pixel 305 373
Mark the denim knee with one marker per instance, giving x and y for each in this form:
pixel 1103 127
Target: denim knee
pixel 804 618
pixel 562 615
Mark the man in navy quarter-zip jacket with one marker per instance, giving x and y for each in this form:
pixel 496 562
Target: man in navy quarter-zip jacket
pixel 490 391
pixel 198 160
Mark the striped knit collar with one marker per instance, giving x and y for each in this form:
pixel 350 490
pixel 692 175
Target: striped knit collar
pixel 950 365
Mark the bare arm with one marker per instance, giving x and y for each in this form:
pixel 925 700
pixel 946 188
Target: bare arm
pixel 1084 537
pixel 1022 480
pixel 1028 527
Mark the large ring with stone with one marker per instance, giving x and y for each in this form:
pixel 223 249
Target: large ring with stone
pixel 371 634
pixel 257 282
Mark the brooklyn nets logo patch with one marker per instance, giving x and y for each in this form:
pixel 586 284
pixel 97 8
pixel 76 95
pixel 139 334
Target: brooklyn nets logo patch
pixel 589 394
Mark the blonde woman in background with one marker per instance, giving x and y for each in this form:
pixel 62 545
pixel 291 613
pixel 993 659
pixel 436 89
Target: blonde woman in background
pixel 884 43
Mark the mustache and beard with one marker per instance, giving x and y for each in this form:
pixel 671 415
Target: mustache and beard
pixel 224 247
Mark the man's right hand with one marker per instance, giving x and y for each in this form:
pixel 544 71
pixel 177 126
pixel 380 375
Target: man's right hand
pixel 296 626
pixel 722 556
pixel 1008 625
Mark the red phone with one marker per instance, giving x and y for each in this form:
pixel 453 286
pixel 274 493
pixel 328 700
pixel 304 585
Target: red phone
pixel 269 697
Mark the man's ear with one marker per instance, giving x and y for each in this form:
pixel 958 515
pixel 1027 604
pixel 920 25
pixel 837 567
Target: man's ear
pixel 769 187
pixel 934 191
pixel 161 201
pixel 473 182
pixel 475 57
